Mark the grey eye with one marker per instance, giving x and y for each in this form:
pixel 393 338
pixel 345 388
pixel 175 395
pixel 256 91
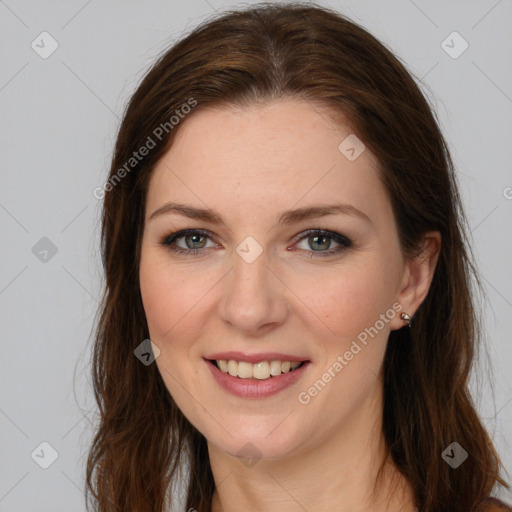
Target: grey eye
pixel 195 241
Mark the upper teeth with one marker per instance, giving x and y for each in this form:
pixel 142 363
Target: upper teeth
pixel 262 370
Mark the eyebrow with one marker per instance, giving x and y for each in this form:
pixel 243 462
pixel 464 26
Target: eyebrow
pixel 286 218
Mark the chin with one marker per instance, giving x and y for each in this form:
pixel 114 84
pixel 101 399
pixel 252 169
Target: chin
pixel 252 444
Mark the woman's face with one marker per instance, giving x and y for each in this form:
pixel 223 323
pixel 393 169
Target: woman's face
pixel 292 255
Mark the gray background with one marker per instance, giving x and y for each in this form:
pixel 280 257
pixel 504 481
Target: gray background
pixel 58 125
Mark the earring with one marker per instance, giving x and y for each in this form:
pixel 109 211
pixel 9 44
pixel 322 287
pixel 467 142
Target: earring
pixel 406 318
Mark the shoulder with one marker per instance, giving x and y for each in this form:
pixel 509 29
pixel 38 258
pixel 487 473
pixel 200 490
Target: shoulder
pixel 495 505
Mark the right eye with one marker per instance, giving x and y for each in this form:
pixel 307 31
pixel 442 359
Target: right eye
pixel 187 242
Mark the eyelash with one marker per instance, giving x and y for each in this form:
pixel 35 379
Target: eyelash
pixel 345 243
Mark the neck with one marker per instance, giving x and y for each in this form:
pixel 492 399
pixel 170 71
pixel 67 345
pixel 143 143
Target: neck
pixel 351 470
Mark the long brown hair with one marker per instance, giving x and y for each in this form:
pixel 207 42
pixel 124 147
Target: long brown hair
pixel 261 53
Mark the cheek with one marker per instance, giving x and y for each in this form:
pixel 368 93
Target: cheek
pixel 350 304
pixel 171 300
pixel 160 301
pixel 169 296
pixel 356 304
pixel 349 300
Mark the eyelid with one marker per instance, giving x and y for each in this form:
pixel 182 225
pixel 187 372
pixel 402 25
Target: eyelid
pixel 171 237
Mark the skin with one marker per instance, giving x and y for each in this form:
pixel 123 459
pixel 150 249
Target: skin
pixel 249 165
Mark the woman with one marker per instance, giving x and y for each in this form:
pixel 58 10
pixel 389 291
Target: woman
pixel 282 221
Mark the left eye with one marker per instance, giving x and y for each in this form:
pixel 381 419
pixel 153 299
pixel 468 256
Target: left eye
pixel 322 242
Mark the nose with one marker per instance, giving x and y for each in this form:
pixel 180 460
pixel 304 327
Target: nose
pixel 253 297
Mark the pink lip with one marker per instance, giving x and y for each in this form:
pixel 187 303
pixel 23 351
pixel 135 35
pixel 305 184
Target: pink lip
pixel 255 358
pixel 255 388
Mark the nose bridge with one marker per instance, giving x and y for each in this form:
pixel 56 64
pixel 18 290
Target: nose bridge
pixel 253 296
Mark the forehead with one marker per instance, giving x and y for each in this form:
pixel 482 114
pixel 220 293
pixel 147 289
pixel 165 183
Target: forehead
pixel 278 131
pixel 266 156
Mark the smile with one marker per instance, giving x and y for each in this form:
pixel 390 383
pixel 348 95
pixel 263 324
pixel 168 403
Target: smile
pixel 259 379
pixel 262 370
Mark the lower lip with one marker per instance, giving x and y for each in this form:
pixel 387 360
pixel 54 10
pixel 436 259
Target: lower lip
pixel 255 388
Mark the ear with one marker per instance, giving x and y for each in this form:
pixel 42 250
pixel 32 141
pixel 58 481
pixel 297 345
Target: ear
pixel 417 277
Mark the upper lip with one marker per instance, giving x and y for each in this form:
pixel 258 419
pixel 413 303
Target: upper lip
pixel 254 358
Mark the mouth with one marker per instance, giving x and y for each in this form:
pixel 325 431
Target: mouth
pixel 262 370
pixel 256 376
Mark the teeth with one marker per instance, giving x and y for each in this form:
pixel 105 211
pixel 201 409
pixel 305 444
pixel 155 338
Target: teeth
pixel 232 368
pixel 275 368
pixel 261 371
pixel 244 370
